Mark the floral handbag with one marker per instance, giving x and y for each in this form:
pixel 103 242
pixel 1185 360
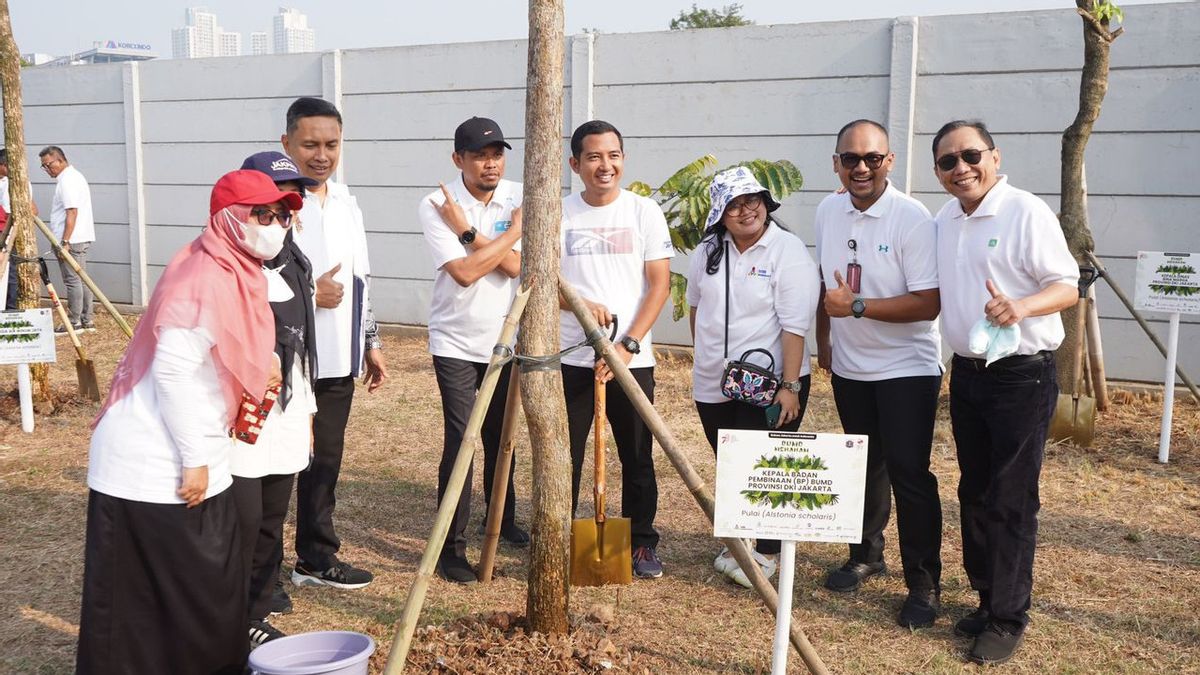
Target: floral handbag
pixel 743 381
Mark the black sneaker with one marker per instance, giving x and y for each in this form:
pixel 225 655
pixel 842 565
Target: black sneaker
pixel 646 564
pixel 342 575
pixel 920 609
pixel 972 624
pixel 262 632
pixel 995 645
pixel 281 603
pixel 456 569
pixel 515 535
pixel 850 576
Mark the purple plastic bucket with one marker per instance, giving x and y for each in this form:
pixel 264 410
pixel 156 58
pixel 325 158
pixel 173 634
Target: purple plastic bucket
pixel 329 652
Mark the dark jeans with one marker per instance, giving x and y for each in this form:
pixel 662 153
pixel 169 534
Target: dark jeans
pixel 897 416
pixel 738 415
pixel 459 381
pixel 316 542
pixel 262 505
pixel 79 296
pixel 10 301
pixel 639 486
pixel 1000 417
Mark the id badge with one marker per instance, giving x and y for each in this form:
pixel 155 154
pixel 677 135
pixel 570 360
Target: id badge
pixel 854 277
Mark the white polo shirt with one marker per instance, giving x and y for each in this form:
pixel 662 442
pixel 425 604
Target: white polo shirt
pixel 1015 240
pixel 896 245
pixel 72 192
pixel 464 322
pixel 773 287
pixel 604 254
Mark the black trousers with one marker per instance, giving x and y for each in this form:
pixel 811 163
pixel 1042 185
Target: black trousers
pixel 1000 417
pixel 316 542
pixel 639 485
pixel 164 589
pixel 738 415
pixel 458 381
pixel 897 416
pixel 262 505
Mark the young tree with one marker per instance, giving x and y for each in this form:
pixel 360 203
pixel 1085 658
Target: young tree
pixel 545 410
pixel 729 15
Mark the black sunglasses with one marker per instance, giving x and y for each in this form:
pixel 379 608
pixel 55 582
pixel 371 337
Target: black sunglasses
pixel 265 216
pixel 972 157
pixel 850 160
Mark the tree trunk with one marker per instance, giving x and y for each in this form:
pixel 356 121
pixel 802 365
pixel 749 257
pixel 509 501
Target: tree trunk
pixel 545 411
pixel 24 241
pixel 1073 217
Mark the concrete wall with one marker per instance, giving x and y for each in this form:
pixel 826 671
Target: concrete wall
pixel 152 137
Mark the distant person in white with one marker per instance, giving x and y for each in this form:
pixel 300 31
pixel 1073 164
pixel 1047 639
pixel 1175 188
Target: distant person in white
pixel 875 330
pixel 8 271
pixel 73 225
pixel 1001 255
pixel 473 230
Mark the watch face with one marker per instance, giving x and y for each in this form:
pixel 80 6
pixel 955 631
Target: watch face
pixel 468 236
pixel 858 307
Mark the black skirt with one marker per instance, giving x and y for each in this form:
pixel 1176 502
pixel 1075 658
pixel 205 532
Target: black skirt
pixel 164 588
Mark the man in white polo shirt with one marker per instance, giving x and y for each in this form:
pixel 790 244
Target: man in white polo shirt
pixel 473 230
pixel 1001 256
pixel 72 223
pixel 877 250
pixel 616 251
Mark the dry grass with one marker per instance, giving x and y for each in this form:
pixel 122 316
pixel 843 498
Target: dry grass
pixel 1117 574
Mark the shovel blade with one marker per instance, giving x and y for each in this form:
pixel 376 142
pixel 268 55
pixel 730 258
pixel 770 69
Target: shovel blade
pixel 1074 420
pixel 89 386
pixel 601 553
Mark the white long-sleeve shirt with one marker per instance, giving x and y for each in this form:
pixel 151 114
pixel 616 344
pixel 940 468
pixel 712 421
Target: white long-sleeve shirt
pixel 175 417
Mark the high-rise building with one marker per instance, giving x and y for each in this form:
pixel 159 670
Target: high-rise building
pixel 231 44
pixel 292 34
pixel 258 43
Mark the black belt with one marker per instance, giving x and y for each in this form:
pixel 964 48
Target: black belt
pixel 980 365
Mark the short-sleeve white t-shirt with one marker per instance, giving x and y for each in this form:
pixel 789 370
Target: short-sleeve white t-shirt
pixel 72 192
pixel 604 254
pixel 896 246
pixel 464 322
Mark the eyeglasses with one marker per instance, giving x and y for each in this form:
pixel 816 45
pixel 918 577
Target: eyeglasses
pixel 850 160
pixel 265 216
pixel 747 202
pixel 46 165
pixel 949 161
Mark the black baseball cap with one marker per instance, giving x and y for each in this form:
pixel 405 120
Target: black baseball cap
pixel 278 166
pixel 477 133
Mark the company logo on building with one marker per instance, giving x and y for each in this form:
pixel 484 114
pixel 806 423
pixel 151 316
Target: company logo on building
pixel 113 44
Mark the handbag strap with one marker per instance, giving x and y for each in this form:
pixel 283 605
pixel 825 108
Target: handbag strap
pixel 770 357
pixel 726 256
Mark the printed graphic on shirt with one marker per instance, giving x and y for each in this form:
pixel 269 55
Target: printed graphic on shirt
pixel 501 226
pixel 600 241
pixel 760 272
pixel 993 242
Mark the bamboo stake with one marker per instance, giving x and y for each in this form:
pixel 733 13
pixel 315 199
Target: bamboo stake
pixel 491 537
pixel 66 255
pixel 1095 352
pixel 407 623
pixel 1141 322
pixel 695 484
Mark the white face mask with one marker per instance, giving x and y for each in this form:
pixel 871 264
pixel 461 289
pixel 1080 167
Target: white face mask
pixel 261 241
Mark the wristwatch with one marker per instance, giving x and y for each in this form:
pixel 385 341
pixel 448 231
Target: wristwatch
pixel 792 386
pixel 631 344
pixel 858 308
pixel 467 237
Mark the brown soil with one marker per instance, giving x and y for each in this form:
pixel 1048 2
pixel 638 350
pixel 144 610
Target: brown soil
pixel 1117 578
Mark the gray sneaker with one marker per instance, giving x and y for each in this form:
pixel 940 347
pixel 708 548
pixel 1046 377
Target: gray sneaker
pixel 646 564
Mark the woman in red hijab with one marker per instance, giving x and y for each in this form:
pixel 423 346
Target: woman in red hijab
pixel 164 584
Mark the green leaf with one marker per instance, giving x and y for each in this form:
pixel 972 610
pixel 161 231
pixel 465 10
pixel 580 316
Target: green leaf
pixel 640 188
pixel 679 296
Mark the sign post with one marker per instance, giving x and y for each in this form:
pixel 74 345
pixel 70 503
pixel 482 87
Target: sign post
pixel 26 337
pixel 792 487
pixel 1168 282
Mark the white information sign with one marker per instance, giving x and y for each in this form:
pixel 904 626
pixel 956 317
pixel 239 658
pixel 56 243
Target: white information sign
pixel 27 336
pixel 790 486
pixel 1167 282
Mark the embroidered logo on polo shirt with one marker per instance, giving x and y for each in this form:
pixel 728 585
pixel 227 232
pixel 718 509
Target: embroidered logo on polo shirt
pixel 760 272
pixel 501 226
pixel 993 242
pixel 883 248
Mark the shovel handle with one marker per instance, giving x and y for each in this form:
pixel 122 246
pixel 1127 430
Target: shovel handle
pixel 62 314
pixel 599 415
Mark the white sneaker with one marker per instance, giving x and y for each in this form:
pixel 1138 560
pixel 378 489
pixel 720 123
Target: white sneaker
pixel 768 564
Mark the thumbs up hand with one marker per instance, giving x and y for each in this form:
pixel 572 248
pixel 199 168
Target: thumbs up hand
pixel 838 300
pixel 1002 310
pixel 329 292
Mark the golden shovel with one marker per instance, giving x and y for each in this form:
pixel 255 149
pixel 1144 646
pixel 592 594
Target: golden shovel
pixel 1075 414
pixel 600 546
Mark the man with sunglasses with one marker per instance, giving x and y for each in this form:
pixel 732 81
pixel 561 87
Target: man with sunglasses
pixel 876 333
pixel 1001 256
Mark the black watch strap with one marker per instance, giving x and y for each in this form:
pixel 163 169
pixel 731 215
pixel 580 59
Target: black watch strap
pixel 631 344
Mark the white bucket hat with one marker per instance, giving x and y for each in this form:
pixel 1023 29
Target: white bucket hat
pixel 734 183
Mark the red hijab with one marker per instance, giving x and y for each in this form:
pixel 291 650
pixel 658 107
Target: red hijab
pixel 213 284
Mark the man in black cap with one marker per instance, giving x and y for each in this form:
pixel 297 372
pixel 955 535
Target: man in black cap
pixel 473 230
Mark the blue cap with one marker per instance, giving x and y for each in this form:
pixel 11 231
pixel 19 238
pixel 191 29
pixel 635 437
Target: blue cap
pixel 278 167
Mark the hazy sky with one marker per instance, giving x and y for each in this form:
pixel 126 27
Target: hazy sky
pixel 59 27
